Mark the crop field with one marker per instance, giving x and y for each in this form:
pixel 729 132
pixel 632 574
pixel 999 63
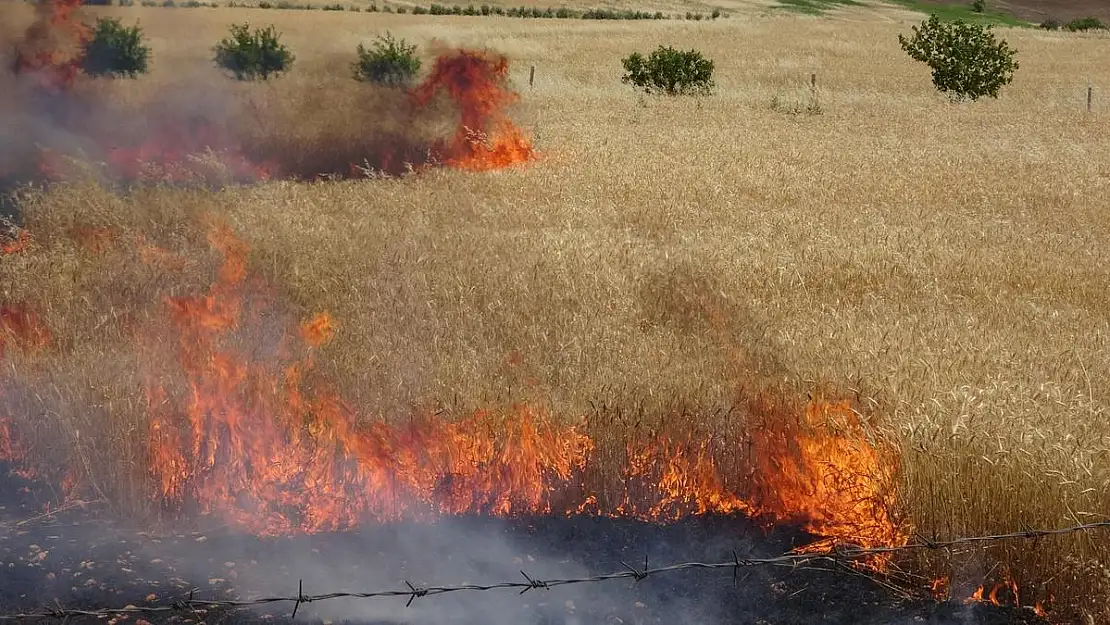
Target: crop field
pixel 686 268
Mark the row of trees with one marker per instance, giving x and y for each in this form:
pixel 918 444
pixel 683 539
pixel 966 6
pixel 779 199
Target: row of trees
pixel 120 51
pixel 967 60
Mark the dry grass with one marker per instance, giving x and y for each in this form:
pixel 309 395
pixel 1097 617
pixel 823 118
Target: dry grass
pixel 946 264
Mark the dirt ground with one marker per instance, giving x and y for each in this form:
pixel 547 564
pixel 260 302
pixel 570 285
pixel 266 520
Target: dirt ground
pixel 1060 10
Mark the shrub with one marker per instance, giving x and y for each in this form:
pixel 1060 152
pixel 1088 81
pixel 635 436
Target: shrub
pixel 334 7
pixel 968 62
pixel 1050 24
pixel 979 6
pixel 115 50
pixel 1086 23
pixel 254 55
pixel 388 62
pixel 670 72
pixel 419 10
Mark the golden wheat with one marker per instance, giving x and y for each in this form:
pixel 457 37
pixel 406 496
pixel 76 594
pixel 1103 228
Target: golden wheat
pixel 946 264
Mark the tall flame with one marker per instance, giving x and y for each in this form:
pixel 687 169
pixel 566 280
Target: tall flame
pixel 477 82
pixel 51 48
pixel 243 426
pixel 251 439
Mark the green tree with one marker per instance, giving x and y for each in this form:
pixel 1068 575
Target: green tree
pixel 967 60
pixel 250 55
pixel 670 71
pixel 389 62
pixel 115 50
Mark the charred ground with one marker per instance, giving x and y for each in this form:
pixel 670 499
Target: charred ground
pixel 80 560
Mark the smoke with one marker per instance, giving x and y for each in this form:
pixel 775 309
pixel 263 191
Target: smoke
pixel 57 123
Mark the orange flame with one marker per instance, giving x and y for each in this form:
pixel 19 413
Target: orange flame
pixel 250 432
pixel 254 440
pixel 997 594
pixel 477 82
pixel 51 47
pixel 20 243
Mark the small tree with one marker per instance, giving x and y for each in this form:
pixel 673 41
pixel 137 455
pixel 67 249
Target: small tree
pixel 388 62
pixel 1083 24
pixel 968 62
pixel 115 50
pixel 253 55
pixel 979 6
pixel 670 72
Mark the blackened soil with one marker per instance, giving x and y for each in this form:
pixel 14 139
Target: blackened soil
pixel 78 559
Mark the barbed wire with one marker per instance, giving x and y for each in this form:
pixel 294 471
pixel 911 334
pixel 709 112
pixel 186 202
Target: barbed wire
pixel 837 556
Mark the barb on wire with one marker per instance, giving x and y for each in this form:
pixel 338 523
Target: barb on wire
pixel 836 557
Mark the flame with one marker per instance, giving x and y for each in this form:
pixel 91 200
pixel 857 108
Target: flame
pixel 997 594
pixel 830 479
pixel 21 327
pixel 941 588
pixel 51 47
pixel 20 243
pixel 477 83
pixel 266 444
pixel 176 147
pixel 318 330
pixel 243 426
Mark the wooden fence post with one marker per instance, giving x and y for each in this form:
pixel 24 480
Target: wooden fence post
pixel 532 77
pixel 1090 97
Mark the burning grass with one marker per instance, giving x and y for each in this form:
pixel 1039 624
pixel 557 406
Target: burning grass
pixel 668 280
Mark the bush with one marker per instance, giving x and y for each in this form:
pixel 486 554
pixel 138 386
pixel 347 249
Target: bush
pixel 1086 23
pixel 670 72
pixel 253 55
pixel 388 62
pixel 1050 24
pixel 115 50
pixel 979 6
pixel 967 61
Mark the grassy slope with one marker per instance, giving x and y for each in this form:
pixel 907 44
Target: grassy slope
pixel 944 263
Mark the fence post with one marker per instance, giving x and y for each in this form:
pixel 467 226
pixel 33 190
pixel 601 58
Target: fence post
pixel 1090 97
pixel 813 81
pixel 532 77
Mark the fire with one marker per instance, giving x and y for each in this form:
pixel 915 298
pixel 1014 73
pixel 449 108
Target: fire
pixel 51 47
pixel 21 327
pixel 829 478
pixel 20 243
pixel 1005 592
pixel 941 588
pixel 263 442
pixel 477 83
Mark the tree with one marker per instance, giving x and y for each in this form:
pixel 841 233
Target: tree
pixel 254 55
pixel 388 62
pixel 968 62
pixel 670 72
pixel 115 50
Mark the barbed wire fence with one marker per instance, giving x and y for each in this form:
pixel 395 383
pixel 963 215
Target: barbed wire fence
pixel 839 556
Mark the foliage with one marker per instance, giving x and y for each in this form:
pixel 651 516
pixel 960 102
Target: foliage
pixel 115 50
pixel 1086 23
pixel 1050 24
pixel 389 62
pixel 968 62
pixel 250 55
pixel 979 6
pixel 670 71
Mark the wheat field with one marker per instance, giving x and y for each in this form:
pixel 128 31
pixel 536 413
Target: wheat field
pixel 945 265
